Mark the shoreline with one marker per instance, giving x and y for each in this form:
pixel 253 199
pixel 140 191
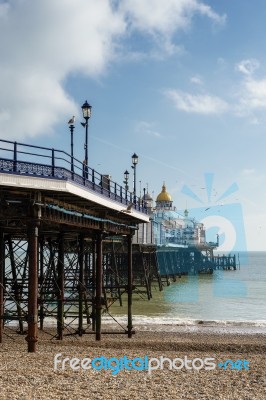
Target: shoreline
pixel 166 325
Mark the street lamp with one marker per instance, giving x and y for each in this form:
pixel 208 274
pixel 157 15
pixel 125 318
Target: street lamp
pixel 126 176
pixel 86 111
pixel 72 127
pixel 135 160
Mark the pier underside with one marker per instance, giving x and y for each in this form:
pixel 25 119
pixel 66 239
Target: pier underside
pixel 64 262
pixel 61 258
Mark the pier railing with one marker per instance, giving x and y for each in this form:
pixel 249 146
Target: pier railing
pixel 24 159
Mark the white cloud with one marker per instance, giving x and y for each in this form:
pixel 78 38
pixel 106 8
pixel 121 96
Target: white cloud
pixel 197 103
pixel 251 99
pixel 252 178
pixel 165 17
pixel 162 18
pixel 256 92
pixel 247 67
pixel 196 80
pixel 248 171
pixel 43 42
pixel 147 128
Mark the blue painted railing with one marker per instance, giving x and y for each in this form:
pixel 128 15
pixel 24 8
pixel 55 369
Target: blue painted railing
pixel 24 159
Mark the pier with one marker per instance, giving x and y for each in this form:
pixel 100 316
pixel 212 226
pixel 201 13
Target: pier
pixel 56 221
pixel 227 262
pixel 73 242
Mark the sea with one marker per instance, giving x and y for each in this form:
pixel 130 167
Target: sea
pixel 232 301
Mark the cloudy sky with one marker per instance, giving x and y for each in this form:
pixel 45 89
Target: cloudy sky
pixel 180 82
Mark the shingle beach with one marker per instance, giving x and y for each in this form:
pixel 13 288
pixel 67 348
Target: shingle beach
pixel 28 376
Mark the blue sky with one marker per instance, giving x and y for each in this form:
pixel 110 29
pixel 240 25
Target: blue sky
pixel 180 82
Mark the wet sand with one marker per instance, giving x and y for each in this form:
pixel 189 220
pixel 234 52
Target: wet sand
pixel 27 376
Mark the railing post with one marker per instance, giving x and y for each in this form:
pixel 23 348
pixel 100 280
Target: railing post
pixel 101 183
pixel 92 177
pixel 53 162
pixel 84 172
pixel 15 157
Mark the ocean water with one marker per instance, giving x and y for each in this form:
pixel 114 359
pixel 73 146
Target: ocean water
pixel 225 298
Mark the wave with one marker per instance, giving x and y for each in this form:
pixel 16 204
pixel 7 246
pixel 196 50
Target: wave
pixel 143 320
pixel 171 324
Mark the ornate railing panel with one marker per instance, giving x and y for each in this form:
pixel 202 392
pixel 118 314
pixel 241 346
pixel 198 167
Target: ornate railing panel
pixel 24 159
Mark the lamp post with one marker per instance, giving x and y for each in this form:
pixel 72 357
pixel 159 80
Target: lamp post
pixel 126 176
pixel 135 160
pixel 72 127
pixel 86 111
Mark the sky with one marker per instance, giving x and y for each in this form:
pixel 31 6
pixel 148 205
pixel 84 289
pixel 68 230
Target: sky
pixel 182 83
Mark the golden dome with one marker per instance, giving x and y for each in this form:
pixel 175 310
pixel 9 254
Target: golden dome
pixel 164 196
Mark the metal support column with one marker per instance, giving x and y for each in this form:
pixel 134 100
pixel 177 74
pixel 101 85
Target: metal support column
pixel 17 288
pixel 32 336
pixel 41 278
pixel 87 271
pixel 129 287
pixel 99 272
pixel 60 287
pixel 81 284
pixel 2 269
pixel 93 295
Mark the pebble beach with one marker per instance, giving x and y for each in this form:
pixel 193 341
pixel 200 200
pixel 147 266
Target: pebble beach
pixel 28 376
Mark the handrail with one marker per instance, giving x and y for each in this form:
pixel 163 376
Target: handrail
pixel 62 166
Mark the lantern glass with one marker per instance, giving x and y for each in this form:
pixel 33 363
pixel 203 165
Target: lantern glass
pixel 86 110
pixel 135 159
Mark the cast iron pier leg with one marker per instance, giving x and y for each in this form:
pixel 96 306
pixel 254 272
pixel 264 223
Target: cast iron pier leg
pixel 129 287
pixel 93 292
pixel 32 336
pixel 81 284
pixel 98 299
pixel 2 269
pixel 60 288
pixel 17 294
pixel 41 277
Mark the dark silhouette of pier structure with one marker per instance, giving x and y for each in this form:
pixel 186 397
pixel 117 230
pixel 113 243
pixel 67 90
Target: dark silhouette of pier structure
pixel 66 247
pixel 64 236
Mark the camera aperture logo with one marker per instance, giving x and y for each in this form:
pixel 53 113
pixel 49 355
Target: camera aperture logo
pixel 224 225
pixel 219 218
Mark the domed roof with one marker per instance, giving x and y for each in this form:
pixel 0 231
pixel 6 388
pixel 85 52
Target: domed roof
pixel 147 196
pixel 164 196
